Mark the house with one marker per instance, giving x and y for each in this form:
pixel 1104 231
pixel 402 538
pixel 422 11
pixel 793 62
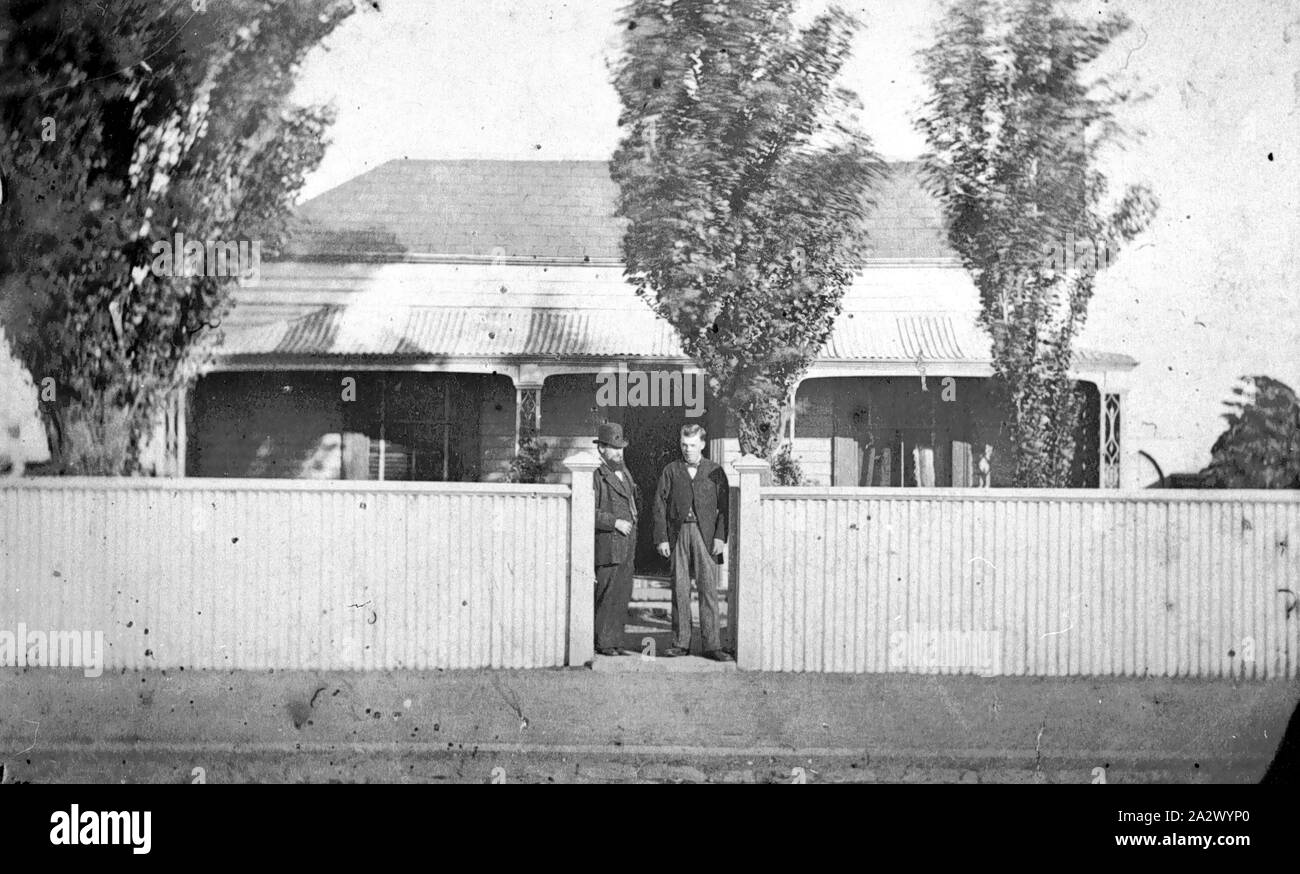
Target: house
pixel 23 440
pixel 427 316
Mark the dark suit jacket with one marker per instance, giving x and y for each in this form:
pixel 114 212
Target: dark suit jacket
pixel 615 499
pixel 709 492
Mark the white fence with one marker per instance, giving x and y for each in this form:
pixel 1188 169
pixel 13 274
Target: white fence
pixel 1018 582
pixel 257 574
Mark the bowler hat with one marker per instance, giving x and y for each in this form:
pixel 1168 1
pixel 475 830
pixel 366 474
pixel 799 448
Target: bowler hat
pixel 611 434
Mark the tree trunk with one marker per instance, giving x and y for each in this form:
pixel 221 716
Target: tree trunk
pixel 1043 421
pixel 89 438
pixel 758 427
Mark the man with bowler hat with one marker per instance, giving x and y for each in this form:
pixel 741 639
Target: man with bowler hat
pixel 616 517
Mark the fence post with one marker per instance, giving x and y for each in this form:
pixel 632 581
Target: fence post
pixel 582 559
pixel 749 556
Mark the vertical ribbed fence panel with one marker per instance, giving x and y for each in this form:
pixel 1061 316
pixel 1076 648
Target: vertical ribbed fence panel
pixel 1025 582
pixel 257 574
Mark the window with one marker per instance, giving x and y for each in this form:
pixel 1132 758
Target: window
pixel 891 432
pixel 417 429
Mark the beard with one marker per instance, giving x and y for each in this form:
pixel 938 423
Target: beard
pixel 616 464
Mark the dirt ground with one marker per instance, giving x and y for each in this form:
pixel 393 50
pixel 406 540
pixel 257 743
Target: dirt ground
pixel 580 725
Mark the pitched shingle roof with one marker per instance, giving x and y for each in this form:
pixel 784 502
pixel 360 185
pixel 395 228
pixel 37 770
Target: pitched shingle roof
pixel 372 301
pixel 539 210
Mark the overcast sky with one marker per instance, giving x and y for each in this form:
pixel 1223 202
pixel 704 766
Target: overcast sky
pixel 1211 292
pixel 503 79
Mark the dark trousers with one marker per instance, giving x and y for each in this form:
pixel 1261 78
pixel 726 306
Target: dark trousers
pixel 613 591
pixel 691 558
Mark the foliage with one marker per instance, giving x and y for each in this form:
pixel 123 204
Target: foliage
pixel 1261 447
pixel 124 123
pixel 744 182
pixel 1014 131
pixel 786 470
pixel 529 464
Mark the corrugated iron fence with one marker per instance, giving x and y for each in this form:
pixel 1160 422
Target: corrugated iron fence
pixel 257 574
pixel 1018 582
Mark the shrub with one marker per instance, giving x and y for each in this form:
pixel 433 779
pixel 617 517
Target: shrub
pixel 785 469
pixel 529 464
pixel 1261 448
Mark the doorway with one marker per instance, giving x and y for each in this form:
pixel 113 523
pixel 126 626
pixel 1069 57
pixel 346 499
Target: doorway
pixel 654 435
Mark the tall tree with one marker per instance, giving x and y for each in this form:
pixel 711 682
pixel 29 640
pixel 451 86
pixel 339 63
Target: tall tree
pixel 1261 447
pixel 123 124
pixel 744 180
pixel 1015 126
